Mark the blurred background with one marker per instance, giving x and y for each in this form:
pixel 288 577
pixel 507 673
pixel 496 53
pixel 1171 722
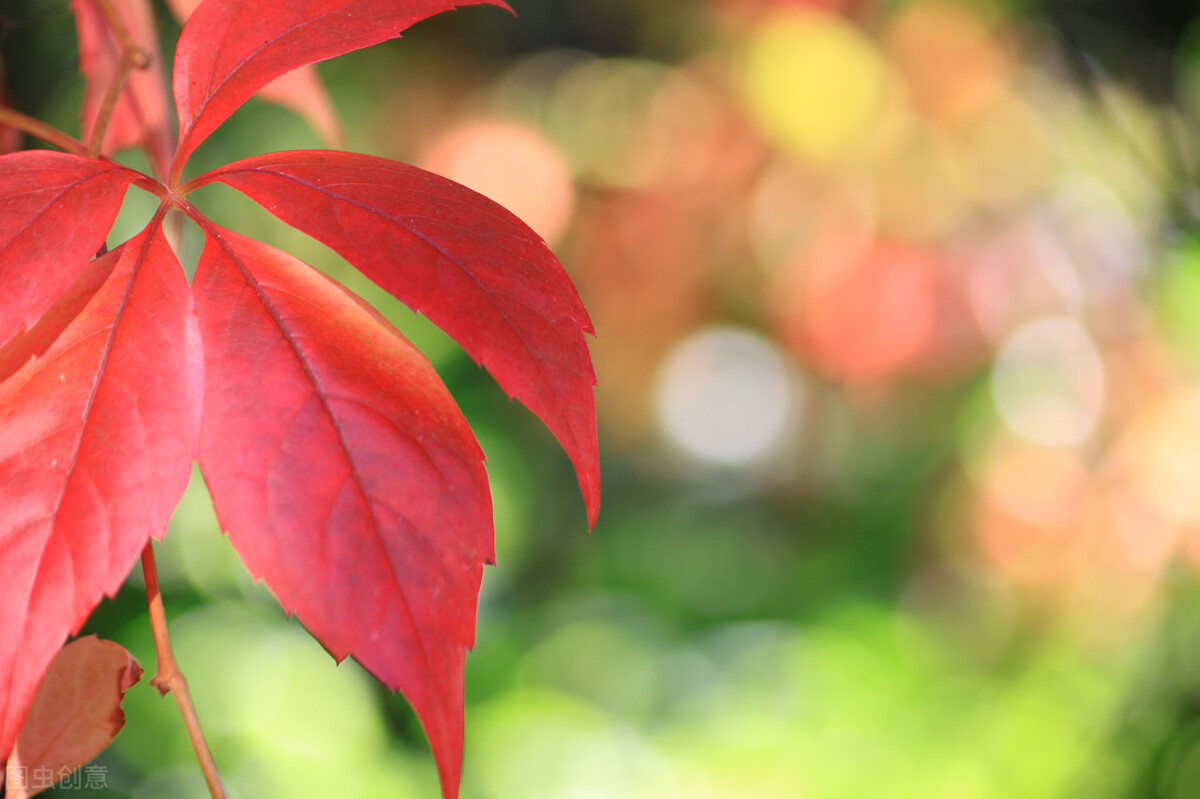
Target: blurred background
pixel 898 315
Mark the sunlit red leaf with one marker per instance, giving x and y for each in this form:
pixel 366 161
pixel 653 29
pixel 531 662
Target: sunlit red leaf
pixel 462 260
pixel 300 90
pixel 344 474
pixel 55 211
pixel 230 49
pixel 140 117
pixel 96 441
pixel 75 714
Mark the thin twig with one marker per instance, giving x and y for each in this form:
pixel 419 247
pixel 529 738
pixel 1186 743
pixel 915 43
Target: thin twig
pixel 47 133
pixel 100 127
pixel 132 57
pixel 124 38
pixel 169 678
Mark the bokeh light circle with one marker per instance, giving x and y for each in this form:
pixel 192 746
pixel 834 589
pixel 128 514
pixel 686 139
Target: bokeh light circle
pixel 1048 382
pixel 814 83
pixel 726 396
pixel 514 165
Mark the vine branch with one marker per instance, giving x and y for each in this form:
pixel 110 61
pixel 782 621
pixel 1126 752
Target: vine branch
pixel 169 679
pixel 132 57
pixel 141 59
pixel 47 133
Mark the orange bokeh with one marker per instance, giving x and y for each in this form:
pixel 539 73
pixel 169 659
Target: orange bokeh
pixel 863 313
pixel 512 164
pixel 956 60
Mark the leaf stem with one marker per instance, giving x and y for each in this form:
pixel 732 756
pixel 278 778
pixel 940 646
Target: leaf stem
pixel 132 57
pixel 47 133
pixel 169 678
pixel 100 127
pixel 141 59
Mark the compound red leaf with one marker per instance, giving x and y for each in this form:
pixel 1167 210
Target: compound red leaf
pixel 140 117
pixel 229 49
pixel 96 441
pixel 461 259
pixel 55 211
pixel 300 90
pixel 344 474
pixel 75 714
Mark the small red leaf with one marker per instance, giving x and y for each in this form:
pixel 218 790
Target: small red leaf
pixel 75 714
pixel 55 211
pixel 344 474
pixel 229 49
pixel 96 441
pixel 459 258
pixel 140 117
pixel 300 90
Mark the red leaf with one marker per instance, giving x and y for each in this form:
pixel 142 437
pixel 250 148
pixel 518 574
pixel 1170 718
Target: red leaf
pixel 75 714
pixel 300 90
pixel 55 211
pixel 96 441
pixel 229 49
pixel 468 264
pixel 345 475
pixel 140 117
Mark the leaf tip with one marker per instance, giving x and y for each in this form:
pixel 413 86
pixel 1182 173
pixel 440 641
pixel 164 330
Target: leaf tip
pixel 499 4
pixel 590 485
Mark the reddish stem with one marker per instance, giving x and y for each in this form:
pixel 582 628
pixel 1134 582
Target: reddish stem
pixel 47 133
pixel 141 59
pixel 132 57
pixel 96 139
pixel 169 678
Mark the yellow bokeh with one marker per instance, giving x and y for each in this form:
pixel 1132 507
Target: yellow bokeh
pixel 814 84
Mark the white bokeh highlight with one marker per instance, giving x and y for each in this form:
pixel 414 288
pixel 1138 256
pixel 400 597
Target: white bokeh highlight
pixel 1048 382
pixel 727 397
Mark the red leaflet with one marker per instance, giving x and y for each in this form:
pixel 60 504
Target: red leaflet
pixel 462 260
pixel 345 474
pixel 75 714
pixel 140 116
pixel 55 210
pixel 301 90
pixel 96 441
pixel 230 49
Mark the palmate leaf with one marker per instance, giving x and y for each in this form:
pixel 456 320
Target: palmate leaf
pixel 339 465
pixel 96 441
